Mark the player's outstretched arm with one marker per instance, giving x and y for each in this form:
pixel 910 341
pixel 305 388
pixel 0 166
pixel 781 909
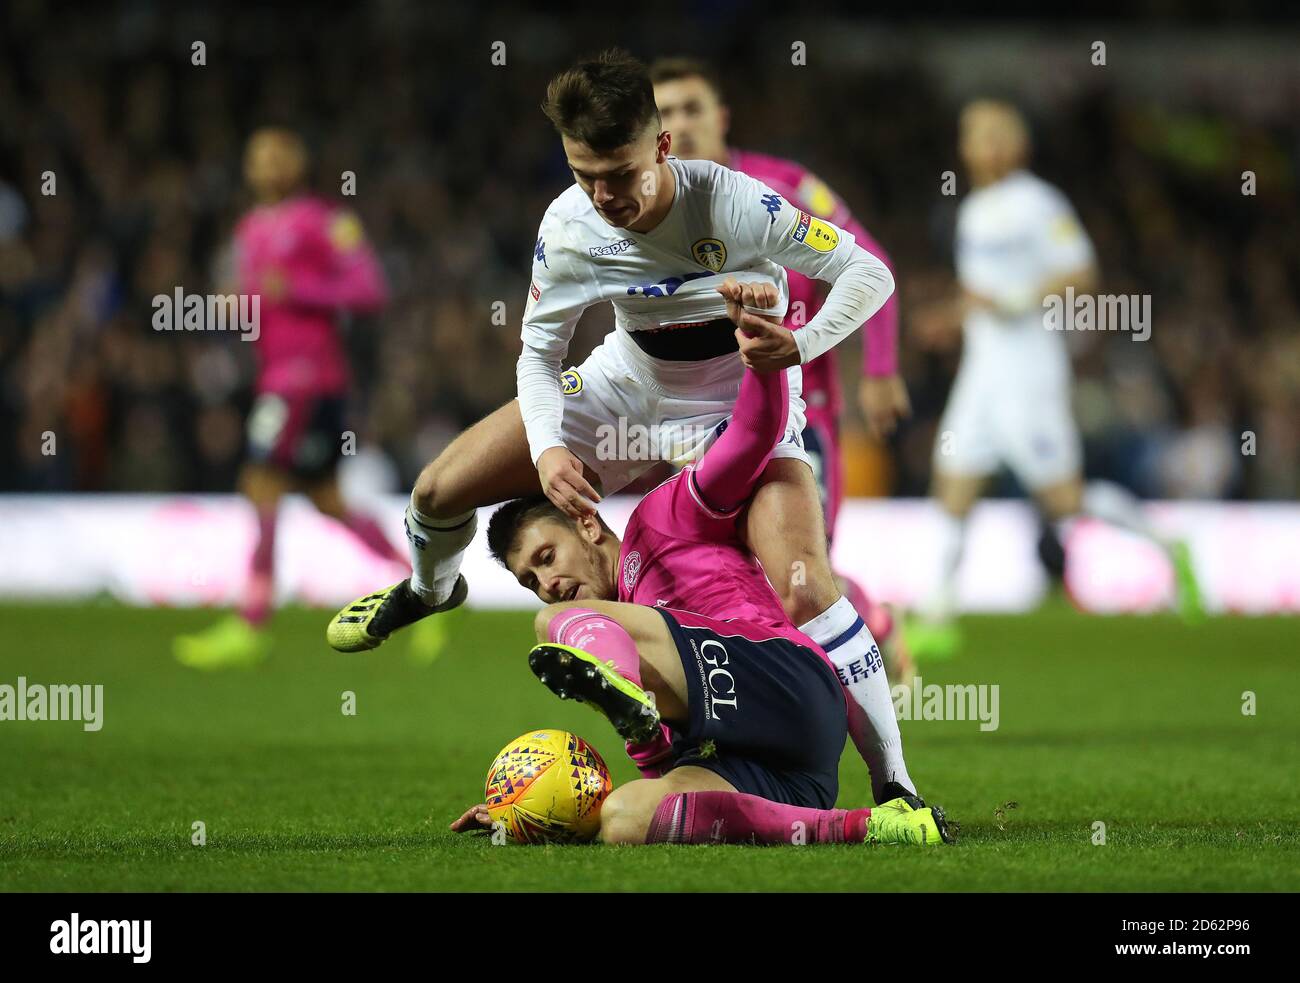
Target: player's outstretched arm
pixel 880 331
pixel 882 393
pixel 860 286
pixel 726 475
pixel 556 300
pixel 820 250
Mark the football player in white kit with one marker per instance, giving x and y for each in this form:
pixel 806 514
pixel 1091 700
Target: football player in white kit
pixel 1018 242
pixel 655 236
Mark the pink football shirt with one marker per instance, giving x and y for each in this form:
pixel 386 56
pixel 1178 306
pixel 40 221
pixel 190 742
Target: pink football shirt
pixel 799 186
pixel 679 553
pixel 309 262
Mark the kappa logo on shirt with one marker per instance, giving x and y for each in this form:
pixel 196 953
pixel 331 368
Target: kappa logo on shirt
pixel 772 202
pixel 613 249
pixel 631 570
pixel 539 252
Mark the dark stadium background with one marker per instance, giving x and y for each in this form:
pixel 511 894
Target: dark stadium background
pixel 1136 750
pixel 455 165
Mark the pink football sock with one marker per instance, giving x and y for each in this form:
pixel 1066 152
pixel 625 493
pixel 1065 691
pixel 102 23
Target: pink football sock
pixel 737 817
pixel 652 755
pixel 256 605
pixel 372 537
pixel 600 636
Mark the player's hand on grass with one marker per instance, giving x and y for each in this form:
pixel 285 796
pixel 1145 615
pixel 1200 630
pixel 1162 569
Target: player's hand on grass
pixel 765 345
pixel 884 402
pixel 475 819
pixel 564 483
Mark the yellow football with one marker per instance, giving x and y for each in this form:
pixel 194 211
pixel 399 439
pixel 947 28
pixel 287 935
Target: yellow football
pixel 547 787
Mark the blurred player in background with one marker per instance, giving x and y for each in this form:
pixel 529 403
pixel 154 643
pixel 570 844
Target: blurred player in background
pixel 1018 242
pixel 310 263
pixel 691 105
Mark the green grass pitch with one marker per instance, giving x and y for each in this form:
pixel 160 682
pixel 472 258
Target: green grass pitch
pixel 1133 722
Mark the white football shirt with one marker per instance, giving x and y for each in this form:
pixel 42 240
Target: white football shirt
pixel 722 223
pixel 1013 237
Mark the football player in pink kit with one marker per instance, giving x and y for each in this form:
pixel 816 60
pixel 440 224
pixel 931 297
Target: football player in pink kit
pixel 309 262
pixel 756 716
pixel 690 102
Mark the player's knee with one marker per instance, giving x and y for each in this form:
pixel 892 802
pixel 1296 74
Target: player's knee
pixel 956 496
pixel 261 486
pixel 425 494
pixel 1061 500
pixel 957 506
pixel 439 492
pixel 542 623
pixel 623 819
pixel 444 488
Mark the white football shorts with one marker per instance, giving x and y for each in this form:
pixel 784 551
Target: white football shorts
pixel 1027 425
pixel 625 412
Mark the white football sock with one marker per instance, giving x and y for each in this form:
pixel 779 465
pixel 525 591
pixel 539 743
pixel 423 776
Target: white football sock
pixel 1115 504
pixel 436 547
pixel 872 724
pixel 942 603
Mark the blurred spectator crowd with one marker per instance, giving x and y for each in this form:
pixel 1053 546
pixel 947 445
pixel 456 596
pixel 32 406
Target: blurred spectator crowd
pixel 455 165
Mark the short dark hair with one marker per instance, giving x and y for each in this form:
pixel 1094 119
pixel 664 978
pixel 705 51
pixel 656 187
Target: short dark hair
pixel 674 69
pixel 605 102
pixel 508 521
